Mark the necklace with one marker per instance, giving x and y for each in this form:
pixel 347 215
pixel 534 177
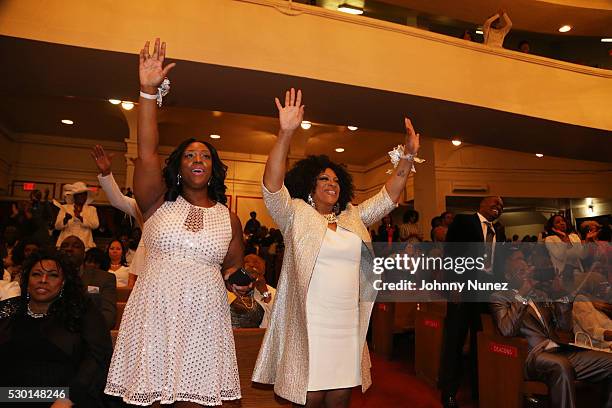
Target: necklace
pixel 331 218
pixel 35 315
pixel 244 303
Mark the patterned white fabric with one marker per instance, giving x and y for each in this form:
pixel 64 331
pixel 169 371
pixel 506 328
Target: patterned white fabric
pixel 175 341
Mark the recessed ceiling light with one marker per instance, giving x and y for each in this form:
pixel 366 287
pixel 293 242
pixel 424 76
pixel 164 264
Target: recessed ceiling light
pixel 339 149
pixel 352 128
pixel 215 136
pixel 456 142
pixel 306 124
pixel 565 28
pixel 67 122
pixel 350 9
pixel 606 40
pixel 114 101
pixel 539 155
pixel 127 105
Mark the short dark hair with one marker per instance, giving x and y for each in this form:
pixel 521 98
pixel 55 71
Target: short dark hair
pixel 302 178
pixel 18 254
pixel 410 214
pixel 216 189
pixel 71 305
pixel 97 256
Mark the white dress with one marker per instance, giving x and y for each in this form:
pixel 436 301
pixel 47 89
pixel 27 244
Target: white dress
pixel 175 341
pixel 332 313
pixel 123 276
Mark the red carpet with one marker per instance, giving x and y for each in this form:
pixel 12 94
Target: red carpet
pixel 396 385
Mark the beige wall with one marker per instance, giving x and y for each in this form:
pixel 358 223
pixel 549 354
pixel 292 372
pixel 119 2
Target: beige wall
pixel 40 158
pixel 480 171
pixel 326 45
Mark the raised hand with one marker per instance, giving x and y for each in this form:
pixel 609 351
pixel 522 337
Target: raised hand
pixel 151 69
pixel 412 138
pixel 103 160
pixel 291 115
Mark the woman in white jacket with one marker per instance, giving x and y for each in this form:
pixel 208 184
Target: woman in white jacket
pixel 565 248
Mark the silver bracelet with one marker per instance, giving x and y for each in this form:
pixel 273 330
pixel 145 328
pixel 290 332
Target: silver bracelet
pixel 397 154
pixel 162 91
pixel 148 96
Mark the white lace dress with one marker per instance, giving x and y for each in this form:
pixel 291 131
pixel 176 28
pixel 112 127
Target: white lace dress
pixel 175 341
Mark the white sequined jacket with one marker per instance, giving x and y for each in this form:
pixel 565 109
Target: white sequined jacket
pixel 283 358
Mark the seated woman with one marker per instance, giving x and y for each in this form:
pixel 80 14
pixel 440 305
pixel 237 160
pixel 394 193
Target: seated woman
pixel 253 309
pixel 564 247
pixel 592 311
pixel 22 251
pixel 118 265
pixel 52 335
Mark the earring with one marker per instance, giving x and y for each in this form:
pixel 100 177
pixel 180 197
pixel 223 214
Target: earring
pixel 209 181
pixel 311 202
pixel 178 180
pixel 336 208
pixel 61 293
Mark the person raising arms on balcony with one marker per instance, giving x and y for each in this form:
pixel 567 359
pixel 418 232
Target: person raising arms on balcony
pixel 314 350
pixel 175 343
pixel 495 30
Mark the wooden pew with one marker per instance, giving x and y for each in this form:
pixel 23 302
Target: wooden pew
pixel 388 319
pixel 123 294
pixel 248 342
pixel 501 362
pixel 429 330
pixel 120 309
pixel 501 376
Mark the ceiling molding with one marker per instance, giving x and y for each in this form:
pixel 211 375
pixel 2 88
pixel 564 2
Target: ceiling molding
pixel 60 141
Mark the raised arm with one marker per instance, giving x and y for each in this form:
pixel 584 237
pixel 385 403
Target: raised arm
pixel 149 186
pixel 290 117
pixel 508 22
pixel 397 182
pixel 116 198
pixel 487 24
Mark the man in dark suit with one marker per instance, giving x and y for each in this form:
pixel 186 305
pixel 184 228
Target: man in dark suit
pixel 100 285
pixel 530 313
pixel 477 235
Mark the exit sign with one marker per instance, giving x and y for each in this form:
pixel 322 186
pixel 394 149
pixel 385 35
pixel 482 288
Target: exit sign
pixel 29 186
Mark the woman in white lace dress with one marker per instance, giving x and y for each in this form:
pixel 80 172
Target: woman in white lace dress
pixel 175 343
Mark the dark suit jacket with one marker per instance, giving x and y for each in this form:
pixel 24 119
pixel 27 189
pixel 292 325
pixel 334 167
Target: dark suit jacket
pixel 516 319
pixel 106 298
pixel 467 228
